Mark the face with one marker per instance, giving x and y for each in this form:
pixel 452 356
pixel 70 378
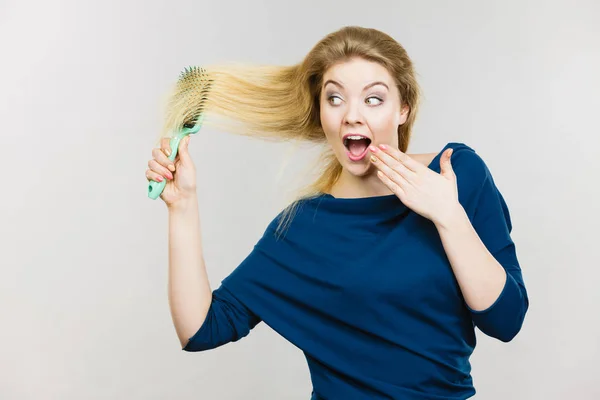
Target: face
pixel 360 98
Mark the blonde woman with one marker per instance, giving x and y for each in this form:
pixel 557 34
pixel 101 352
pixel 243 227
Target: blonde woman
pixel 381 270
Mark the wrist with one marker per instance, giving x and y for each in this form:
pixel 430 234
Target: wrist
pixel 184 204
pixel 454 218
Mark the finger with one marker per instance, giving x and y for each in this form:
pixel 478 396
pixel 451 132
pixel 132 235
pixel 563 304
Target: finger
pixel 394 187
pixel 162 159
pixel 165 145
pixel 153 176
pixel 386 160
pixel 183 149
pixel 402 157
pixel 159 169
pixel 389 172
pixel 446 165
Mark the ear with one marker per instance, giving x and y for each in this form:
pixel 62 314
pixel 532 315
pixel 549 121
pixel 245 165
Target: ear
pixel 402 115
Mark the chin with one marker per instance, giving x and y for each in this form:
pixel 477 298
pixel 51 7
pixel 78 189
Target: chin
pixel 361 168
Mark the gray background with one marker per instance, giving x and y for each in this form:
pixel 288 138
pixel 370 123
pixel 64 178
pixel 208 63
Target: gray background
pixel 83 299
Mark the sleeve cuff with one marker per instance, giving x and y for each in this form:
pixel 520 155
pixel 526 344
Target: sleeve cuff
pixel 504 317
pixel 191 345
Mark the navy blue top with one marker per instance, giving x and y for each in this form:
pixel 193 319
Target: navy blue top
pixel 364 288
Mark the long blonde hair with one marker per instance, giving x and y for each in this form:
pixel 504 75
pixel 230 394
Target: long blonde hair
pixel 281 103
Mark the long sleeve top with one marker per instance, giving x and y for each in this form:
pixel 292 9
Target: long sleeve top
pixel 363 287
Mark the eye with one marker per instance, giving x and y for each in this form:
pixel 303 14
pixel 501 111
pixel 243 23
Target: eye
pixel 333 97
pixel 376 98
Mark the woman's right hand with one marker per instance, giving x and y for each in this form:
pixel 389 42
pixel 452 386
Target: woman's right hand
pixel 181 177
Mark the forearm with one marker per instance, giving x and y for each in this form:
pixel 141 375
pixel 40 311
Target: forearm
pixel 189 290
pixel 480 276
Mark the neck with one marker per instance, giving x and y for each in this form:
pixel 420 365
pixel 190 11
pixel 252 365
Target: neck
pixel 352 186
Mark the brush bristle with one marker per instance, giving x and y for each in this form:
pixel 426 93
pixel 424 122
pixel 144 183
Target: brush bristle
pixel 187 100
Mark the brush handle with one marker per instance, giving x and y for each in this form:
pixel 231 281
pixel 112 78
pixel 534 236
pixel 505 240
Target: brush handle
pixel 156 188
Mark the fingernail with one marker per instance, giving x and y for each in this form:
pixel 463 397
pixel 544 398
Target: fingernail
pixel 159 178
pixel 373 148
pixel 172 167
pixel 382 146
pixel 170 176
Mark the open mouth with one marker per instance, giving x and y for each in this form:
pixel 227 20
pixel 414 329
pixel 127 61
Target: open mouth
pixel 357 146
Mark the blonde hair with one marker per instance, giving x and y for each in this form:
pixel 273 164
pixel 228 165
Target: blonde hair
pixel 281 103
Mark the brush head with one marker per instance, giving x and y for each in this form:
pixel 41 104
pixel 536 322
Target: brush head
pixel 187 103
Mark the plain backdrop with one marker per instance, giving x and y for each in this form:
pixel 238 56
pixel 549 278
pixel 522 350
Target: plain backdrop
pixel 83 280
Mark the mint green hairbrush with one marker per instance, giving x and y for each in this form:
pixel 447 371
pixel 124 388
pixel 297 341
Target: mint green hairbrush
pixel 185 114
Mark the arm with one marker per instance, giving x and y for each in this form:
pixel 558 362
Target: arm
pixel 189 289
pixel 207 319
pixel 484 261
pixel 227 320
pixel 479 274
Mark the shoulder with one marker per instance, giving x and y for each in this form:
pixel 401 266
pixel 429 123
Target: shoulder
pixel 464 160
pixel 471 171
pixel 473 177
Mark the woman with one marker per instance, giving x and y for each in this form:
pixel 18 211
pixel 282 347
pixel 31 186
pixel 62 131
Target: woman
pixel 391 260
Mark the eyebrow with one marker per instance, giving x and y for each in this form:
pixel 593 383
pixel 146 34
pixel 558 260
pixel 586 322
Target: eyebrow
pixel 365 88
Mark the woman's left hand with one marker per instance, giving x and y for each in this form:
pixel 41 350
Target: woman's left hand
pixel 432 195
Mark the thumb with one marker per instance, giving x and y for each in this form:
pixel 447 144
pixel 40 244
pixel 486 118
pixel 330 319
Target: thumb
pixel 446 165
pixel 184 154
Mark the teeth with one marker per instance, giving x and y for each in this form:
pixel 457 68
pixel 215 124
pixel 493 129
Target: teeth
pixel 356 137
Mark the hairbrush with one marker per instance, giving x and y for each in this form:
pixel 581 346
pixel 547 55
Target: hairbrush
pixel 185 114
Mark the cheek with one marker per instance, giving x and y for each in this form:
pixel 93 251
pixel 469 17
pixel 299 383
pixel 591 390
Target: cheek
pixel 384 126
pixel 330 121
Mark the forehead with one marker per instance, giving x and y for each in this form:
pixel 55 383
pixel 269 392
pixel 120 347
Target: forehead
pixel 357 72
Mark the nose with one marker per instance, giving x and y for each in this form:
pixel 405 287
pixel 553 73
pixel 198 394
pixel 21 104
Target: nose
pixel 353 114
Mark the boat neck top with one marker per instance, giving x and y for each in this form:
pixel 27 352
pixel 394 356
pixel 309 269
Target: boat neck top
pixel 363 287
